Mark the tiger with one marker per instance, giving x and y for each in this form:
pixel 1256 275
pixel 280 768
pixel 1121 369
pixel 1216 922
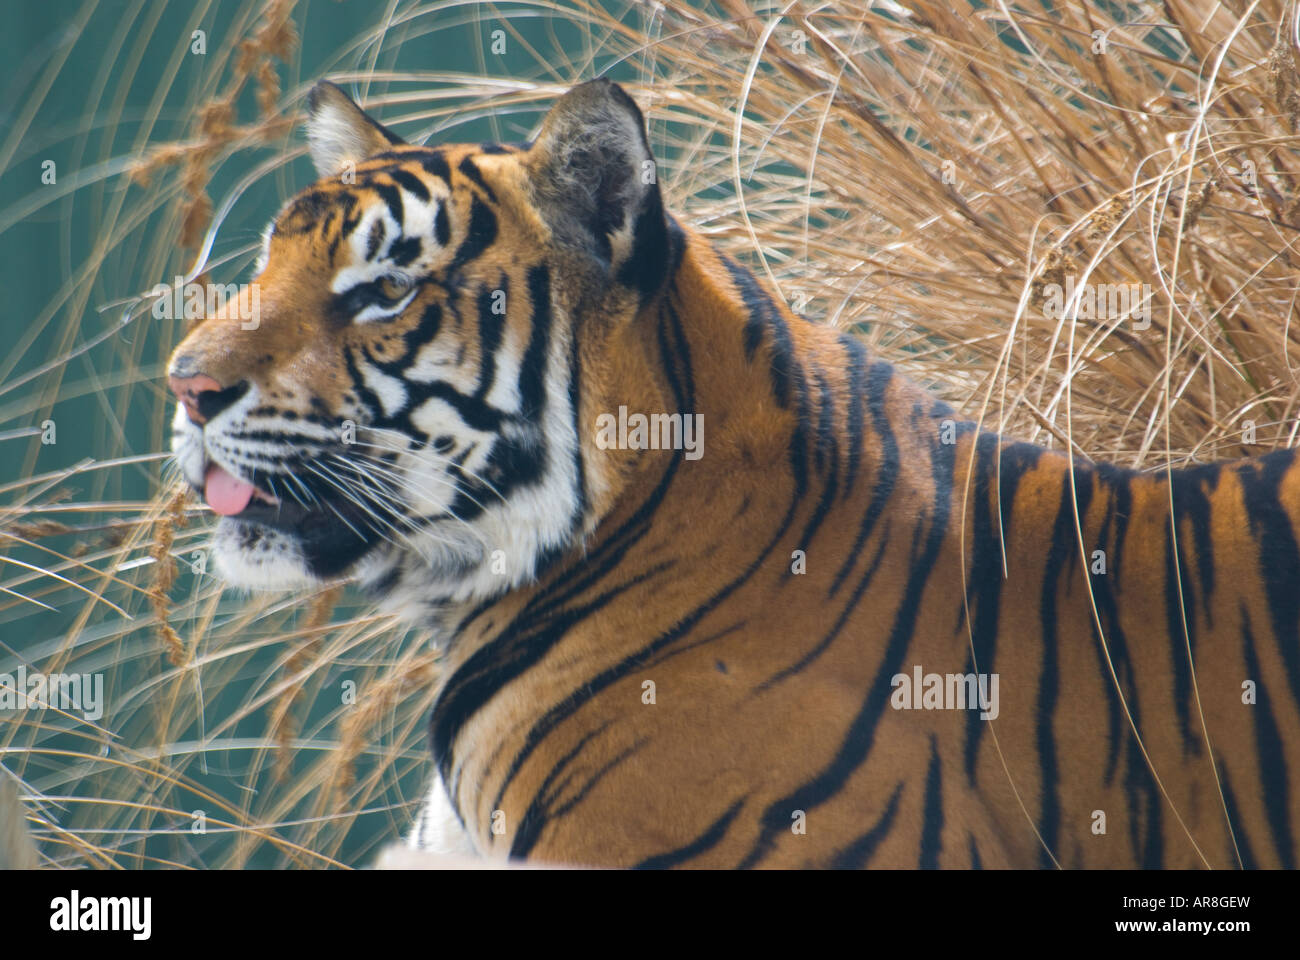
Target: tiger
pixel 716 586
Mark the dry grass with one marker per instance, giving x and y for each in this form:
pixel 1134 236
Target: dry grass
pixel 919 174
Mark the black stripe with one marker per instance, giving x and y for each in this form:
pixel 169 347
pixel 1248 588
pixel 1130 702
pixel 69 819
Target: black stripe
pixel 1279 557
pixel 1270 753
pixel 857 367
pixel 477 414
pixel 375 238
pixel 984 579
pixel 859 853
pixel 351 210
pixel 470 170
pixel 592 781
pixel 575 406
pixel 541 809
pixel 392 198
pixel 532 368
pixel 1117 482
pixel 825 447
pixel 1145 831
pixel 1177 616
pixel 786 372
pixel 409 182
pixel 508 656
pixel 860 736
pixel 491 325
pixel 365 395
pixel 1243 848
pixel 705 842
pixel 1060 557
pixel 441 226
pixel 824 644
pixel 878 378
pixel 827 463
pixel 932 817
pixel 704 641
pixel 305 212
pixel 656 243
pixel 1193 489
pixel 411 154
pixel 405 250
pixel 520 459
pixel 543 796
pixel 279 436
pixel 435 163
pixel 424 332
pixel 764 315
pixel 480 234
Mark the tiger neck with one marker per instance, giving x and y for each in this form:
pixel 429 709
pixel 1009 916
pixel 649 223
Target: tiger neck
pixel 770 395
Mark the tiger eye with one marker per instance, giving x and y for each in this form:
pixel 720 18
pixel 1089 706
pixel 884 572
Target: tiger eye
pixel 393 286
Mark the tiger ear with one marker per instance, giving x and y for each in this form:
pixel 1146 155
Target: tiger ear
pixel 593 176
pixel 341 133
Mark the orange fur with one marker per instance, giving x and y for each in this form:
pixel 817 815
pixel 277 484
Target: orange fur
pixel 773 687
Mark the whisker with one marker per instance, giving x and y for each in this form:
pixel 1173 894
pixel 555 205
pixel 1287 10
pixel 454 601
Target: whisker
pixel 405 482
pixel 473 475
pixel 338 513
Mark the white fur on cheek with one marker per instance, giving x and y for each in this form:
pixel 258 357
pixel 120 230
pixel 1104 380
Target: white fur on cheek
pixel 187 447
pixel 273 562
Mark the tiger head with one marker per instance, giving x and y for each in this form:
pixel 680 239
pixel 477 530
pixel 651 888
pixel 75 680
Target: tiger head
pixel 404 408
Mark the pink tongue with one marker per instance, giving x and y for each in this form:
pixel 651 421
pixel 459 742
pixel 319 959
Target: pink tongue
pixel 226 494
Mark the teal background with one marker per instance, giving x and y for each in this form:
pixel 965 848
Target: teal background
pixel 94 87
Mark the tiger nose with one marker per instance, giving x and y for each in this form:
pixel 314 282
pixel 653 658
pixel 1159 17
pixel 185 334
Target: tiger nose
pixel 203 397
